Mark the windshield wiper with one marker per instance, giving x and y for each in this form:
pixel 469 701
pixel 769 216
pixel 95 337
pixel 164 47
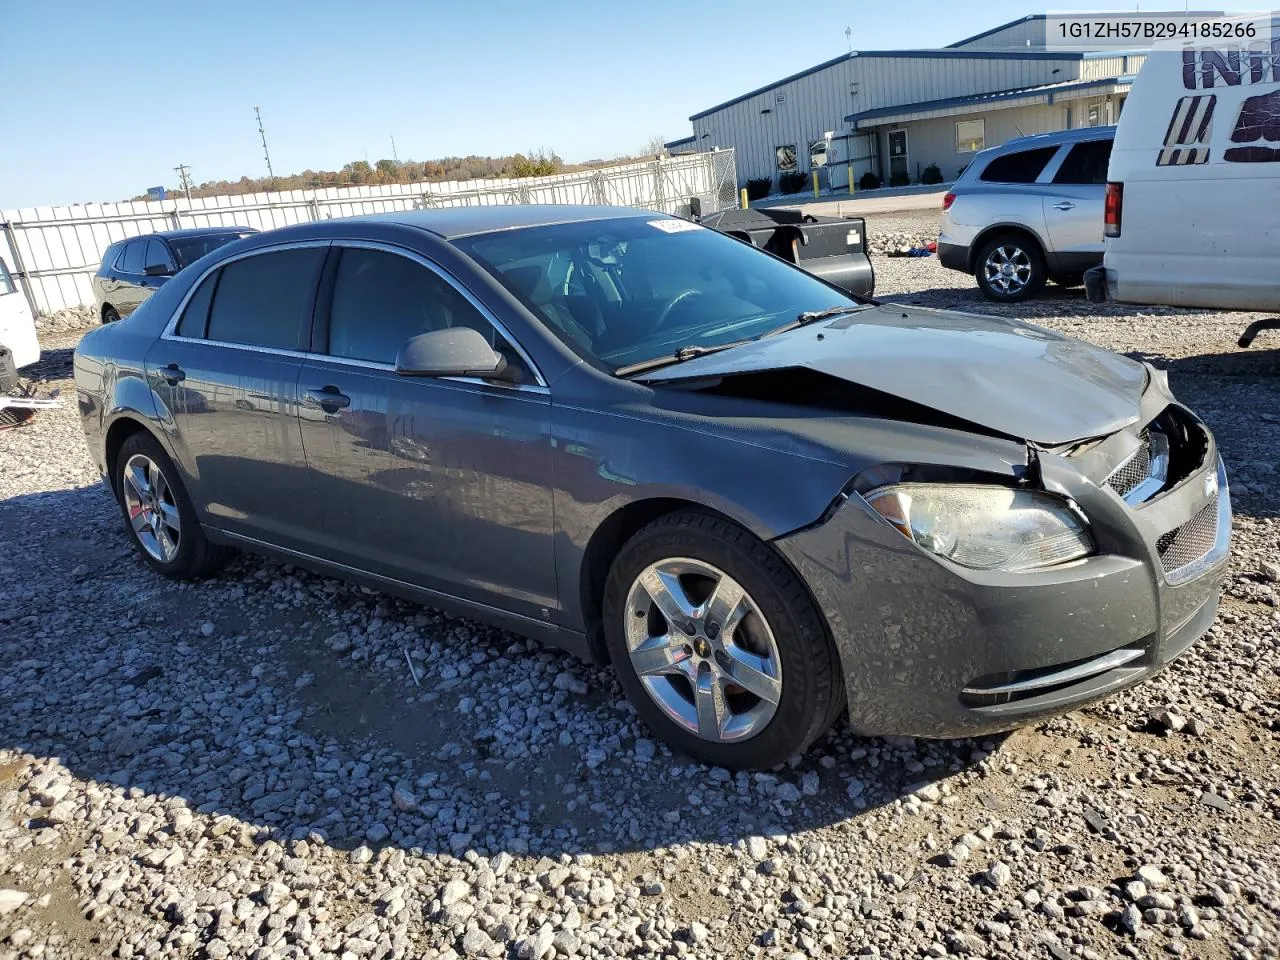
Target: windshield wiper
pixel 811 316
pixel 683 353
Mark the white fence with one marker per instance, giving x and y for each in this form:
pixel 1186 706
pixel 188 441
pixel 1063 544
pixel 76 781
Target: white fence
pixel 54 251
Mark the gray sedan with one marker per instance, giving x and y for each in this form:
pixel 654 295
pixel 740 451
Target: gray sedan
pixel 764 501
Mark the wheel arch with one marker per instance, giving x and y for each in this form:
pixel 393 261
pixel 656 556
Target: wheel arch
pixel 996 229
pixel 121 429
pixel 605 542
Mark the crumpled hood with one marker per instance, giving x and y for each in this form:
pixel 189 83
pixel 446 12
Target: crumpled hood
pixel 1016 379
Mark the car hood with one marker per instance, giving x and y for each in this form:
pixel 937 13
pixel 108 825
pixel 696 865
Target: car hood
pixel 1009 377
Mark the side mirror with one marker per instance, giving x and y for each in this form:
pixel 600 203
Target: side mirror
pixel 158 270
pixel 455 352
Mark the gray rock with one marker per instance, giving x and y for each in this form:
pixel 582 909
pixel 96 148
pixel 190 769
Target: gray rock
pixel 1152 876
pixel 998 874
pixel 11 900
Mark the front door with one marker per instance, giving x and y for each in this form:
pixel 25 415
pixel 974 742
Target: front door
pixel 227 375
pixel 441 483
pixel 899 164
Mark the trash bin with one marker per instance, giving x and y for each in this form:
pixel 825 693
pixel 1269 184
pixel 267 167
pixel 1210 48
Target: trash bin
pixel 832 248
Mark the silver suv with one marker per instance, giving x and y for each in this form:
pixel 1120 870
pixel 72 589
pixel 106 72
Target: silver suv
pixel 1028 211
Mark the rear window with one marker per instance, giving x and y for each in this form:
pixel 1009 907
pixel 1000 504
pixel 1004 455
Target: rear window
pixel 190 249
pixel 1021 167
pixel 1086 163
pixel 263 300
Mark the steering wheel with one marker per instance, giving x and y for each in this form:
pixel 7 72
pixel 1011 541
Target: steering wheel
pixel 675 301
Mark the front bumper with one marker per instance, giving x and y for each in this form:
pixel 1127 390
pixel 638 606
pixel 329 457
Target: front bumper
pixel 932 649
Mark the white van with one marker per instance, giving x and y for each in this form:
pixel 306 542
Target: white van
pixel 1192 213
pixel 18 343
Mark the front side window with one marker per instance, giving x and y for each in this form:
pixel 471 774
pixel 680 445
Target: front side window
pixel 1086 163
pixel 265 300
pixel 971 136
pixel 382 299
pixel 623 291
pixel 1021 167
pixel 134 255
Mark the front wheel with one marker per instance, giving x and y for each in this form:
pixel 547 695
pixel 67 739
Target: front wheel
pixel 718 644
pixel 1010 268
pixel 109 314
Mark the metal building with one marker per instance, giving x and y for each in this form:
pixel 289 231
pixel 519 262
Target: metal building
pixel 896 112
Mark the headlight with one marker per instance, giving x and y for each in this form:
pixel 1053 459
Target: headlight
pixel 986 528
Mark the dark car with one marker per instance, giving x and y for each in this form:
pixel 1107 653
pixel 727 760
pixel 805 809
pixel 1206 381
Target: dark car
pixel 764 500
pixel 134 269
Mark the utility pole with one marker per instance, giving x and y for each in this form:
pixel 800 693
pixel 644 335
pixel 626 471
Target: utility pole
pixel 257 112
pixel 848 35
pixel 394 156
pixel 181 170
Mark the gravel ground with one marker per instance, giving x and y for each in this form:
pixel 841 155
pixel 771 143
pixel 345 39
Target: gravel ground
pixel 272 764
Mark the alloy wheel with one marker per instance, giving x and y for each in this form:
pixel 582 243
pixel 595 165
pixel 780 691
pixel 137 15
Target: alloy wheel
pixel 1008 269
pixel 703 650
pixel 152 508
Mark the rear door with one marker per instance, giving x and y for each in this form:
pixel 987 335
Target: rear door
pixel 226 373
pixel 1073 205
pixel 444 483
pixel 129 290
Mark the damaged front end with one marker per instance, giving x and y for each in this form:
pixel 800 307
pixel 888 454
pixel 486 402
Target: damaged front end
pixel 967 600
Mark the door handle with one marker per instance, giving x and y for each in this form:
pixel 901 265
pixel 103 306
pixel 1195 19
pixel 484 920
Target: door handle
pixel 173 375
pixel 1064 205
pixel 329 398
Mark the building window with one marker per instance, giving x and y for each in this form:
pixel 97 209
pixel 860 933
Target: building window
pixel 971 136
pixel 787 158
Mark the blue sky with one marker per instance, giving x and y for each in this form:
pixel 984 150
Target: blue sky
pixel 102 100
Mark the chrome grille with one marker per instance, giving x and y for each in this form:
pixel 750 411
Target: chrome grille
pixel 1191 541
pixel 1133 471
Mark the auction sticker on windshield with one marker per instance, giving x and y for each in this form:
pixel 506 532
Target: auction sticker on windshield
pixel 674 226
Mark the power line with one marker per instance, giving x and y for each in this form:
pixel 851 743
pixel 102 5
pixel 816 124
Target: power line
pixel 257 112
pixel 181 170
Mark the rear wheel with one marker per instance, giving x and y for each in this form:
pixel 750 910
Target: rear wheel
pixel 158 514
pixel 109 314
pixel 718 644
pixel 1010 267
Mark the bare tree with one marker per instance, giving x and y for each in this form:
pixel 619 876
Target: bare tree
pixel 655 146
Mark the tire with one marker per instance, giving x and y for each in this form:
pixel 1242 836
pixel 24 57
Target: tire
pixel 1027 263
pixel 109 314
pixel 777 628
pixel 167 535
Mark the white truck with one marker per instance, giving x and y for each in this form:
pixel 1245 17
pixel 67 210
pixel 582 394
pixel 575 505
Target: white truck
pixel 18 343
pixel 1194 180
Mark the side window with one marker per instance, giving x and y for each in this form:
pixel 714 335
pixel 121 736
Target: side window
pixel 131 260
pixel 265 300
pixel 6 280
pixel 1021 167
pixel 382 299
pixel 1086 163
pixel 157 255
pixel 196 316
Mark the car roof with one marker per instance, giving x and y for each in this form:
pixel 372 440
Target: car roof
pixel 453 222
pixel 197 232
pixel 1058 137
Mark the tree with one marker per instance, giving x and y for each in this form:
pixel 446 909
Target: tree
pixel 655 146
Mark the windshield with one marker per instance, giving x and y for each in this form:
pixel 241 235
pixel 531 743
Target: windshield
pixel 620 292
pixel 190 249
